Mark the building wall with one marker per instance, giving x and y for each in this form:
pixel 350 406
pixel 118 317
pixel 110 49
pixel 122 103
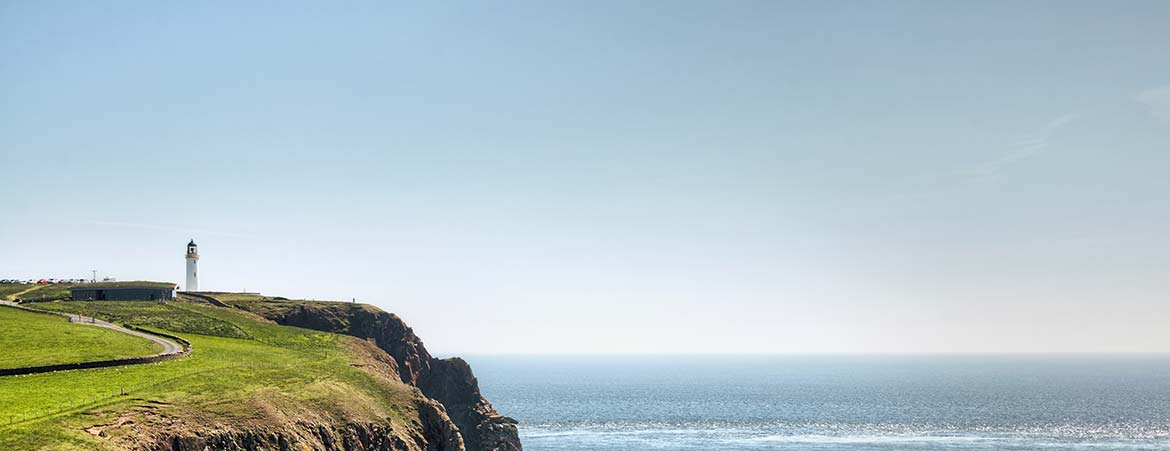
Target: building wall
pixel 83 295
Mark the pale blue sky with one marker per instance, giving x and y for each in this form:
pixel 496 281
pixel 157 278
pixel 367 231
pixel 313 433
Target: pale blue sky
pixel 604 177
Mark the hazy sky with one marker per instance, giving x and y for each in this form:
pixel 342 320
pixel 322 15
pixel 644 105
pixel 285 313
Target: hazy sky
pixel 605 177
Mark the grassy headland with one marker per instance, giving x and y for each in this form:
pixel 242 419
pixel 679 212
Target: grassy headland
pixel 37 339
pixel 170 316
pixel 243 372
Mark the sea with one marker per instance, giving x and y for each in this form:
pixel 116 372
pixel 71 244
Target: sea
pixel 833 402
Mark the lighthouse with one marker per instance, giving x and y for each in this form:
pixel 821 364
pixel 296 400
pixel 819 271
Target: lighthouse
pixel 192 266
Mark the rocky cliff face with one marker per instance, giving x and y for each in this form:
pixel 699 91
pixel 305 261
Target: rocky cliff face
pixel 448 381
pixel 144 431
pixel 315 437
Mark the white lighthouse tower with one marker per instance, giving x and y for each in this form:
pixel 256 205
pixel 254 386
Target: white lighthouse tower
pixel 192 266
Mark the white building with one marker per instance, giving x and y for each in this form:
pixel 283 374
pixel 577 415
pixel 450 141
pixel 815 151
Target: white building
pixel 192 267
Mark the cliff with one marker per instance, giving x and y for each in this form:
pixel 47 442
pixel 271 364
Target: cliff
pixel 434 432
pixel 345 378
pixel 448 381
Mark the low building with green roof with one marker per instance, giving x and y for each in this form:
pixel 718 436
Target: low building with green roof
pixel 123 291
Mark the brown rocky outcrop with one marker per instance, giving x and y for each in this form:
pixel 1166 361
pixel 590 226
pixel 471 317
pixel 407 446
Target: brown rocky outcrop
pixel 308 437
pixel 433 430
pixel 450 382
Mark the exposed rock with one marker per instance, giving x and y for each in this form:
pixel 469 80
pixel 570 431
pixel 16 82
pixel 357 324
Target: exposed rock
pixel 430 428
pixel 448 381
pixel 305 437
pixel 438 429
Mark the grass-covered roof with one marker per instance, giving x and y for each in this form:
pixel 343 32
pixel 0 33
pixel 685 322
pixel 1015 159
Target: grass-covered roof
pixel 134 284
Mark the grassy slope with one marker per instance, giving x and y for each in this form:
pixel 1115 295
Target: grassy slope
pixel 171 316
pixel 35 339
pixel 263 305
pixel 9 292
pixel 276 371
pixel 29 292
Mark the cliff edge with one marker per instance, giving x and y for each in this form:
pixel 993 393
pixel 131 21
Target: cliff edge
pixel 248 384
pixel 450 382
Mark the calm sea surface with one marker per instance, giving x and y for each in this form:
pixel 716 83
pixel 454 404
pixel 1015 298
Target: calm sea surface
pixel 1101 402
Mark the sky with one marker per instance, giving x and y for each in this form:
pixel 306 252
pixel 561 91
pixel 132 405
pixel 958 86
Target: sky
pixel 603 177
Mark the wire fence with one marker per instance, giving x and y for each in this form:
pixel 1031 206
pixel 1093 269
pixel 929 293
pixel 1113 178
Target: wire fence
pixel 77 403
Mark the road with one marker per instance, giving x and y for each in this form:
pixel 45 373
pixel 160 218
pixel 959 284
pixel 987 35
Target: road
pixel 169 347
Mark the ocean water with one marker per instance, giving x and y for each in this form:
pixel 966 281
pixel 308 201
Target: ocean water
pixel 1035 402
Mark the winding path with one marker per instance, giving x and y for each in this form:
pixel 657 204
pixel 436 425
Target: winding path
pixel 171 349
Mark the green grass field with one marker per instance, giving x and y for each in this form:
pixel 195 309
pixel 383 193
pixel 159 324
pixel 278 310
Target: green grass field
pixel 171 316
pixel 261 305
pixel 34 292
pixel 240 297
pixel 242 371
pixel 36 339
pixel 8 290
pixel 46 292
